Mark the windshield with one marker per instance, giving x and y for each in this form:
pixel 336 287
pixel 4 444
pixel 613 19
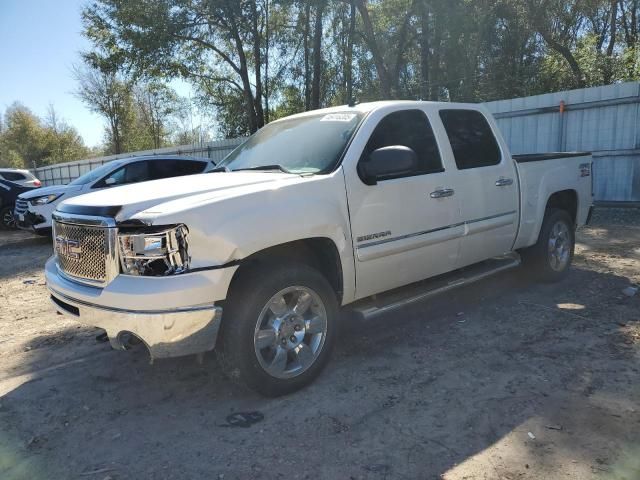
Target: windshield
pixel 309 144
pixel 95 174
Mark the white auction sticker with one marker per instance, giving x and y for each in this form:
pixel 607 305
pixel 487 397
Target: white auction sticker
pixel 338 117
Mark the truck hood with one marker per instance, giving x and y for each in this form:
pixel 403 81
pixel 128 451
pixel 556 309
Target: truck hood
pixel 124 202
pixel 55 189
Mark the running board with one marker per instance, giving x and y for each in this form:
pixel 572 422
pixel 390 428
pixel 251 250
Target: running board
pixel 375 305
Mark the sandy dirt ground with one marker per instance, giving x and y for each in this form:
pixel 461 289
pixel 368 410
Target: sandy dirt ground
pixel 505 379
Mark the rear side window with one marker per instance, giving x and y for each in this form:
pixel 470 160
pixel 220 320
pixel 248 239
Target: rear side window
pixel 13 176
pixel 471 138
pixel 175 168
pixel 409 128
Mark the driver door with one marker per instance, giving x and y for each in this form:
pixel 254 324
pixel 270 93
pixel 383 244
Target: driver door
pixel 404 229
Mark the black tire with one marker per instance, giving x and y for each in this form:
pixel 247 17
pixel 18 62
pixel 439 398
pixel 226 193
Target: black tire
pixel 7 221
pixel 545 266
pixel 248 298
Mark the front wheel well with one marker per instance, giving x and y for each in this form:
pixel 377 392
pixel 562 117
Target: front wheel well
pixel 566 200
pixel 320 253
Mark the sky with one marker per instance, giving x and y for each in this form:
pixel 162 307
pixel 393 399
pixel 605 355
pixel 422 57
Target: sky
pixel 40 40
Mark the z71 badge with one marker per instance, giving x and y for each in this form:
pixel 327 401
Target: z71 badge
pixel 373 236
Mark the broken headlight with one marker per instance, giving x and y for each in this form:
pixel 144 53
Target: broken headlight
pixel 154 252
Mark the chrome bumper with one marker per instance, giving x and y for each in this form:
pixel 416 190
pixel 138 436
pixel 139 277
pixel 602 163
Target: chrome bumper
pixel 166 333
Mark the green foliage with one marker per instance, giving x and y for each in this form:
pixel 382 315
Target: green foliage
pixel 251 61
pixel 27 141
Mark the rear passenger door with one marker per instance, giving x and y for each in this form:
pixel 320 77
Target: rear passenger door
pixel 403 229
pixel 488 190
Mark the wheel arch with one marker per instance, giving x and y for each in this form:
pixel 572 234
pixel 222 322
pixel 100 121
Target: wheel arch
pixel 564 200
pixel 320 253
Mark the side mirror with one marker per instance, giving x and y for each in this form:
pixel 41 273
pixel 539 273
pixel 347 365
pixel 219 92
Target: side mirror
pixel 388 162
pixel 110 181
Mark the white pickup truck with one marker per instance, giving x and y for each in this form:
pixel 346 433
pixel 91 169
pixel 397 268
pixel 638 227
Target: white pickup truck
pixel 371 207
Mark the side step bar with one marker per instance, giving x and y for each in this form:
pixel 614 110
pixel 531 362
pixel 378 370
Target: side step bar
pixel 416 292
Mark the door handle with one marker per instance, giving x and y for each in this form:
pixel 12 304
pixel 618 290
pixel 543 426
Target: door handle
pixel 442 192
pixel 503 182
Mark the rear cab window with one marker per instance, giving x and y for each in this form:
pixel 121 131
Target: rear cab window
pixel 472 140
pixel 408 128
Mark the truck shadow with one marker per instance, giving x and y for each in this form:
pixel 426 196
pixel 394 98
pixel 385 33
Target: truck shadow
pixel 428 391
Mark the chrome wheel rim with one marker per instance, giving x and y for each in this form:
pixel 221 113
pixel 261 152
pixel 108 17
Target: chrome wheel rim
pixel 559 246
pixel 8 220
pixel 290 332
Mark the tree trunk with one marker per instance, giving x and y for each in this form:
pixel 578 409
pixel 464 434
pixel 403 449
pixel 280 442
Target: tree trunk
pixel 307 68
pixel 348 70
pixel 317 57
pixel 401 51
pixel 266 61
pixel 435 76
pixel 614 25
pixel 567 55
pixel 257 58
pixel 378 60
pixel 424 51
pixel 249 101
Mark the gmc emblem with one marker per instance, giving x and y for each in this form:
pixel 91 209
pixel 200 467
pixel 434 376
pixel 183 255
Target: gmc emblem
pixel 68 248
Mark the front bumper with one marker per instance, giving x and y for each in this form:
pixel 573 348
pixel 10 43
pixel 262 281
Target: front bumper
pixel 173 316
pixel 34 217
pixel 165 333
pixel 28 220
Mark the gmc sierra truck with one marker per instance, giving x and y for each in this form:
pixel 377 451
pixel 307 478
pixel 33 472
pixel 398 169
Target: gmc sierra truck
pixel 366 207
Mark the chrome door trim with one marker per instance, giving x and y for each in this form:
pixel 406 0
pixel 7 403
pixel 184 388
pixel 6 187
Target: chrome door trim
pixel 433 230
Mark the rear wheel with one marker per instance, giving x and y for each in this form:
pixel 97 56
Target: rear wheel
pixel 7 221
pixel 279 328
pixel 549 259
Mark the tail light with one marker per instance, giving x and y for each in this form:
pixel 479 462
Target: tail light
pixel 37 183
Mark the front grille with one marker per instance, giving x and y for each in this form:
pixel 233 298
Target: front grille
pixel 21 206
pixel 82 251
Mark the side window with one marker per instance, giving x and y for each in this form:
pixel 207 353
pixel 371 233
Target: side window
pixel 409 128
pixel 175 168
pixel 471 138
pixel 13 176
pixel 130 173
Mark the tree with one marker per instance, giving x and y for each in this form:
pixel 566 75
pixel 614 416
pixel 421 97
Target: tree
pixel 109 95
pixel 26 141
pixel 155 104
pixel 204 41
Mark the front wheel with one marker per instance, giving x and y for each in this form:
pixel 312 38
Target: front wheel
pixel 279 327
pixel 7 221
pixel 549 259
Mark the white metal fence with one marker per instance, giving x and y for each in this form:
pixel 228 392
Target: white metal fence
pixel 62 173
pixel 602 120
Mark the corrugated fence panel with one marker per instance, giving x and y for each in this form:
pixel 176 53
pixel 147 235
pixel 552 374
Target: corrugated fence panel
pixel 604 120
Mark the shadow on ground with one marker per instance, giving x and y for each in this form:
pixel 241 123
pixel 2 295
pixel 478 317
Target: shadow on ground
pixel 453 388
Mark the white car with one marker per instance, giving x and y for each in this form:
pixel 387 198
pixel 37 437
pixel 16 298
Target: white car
pixel 21 177
pixel 368 208
pixel 33 209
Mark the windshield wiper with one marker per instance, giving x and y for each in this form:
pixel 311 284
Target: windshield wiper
pixel 264 167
